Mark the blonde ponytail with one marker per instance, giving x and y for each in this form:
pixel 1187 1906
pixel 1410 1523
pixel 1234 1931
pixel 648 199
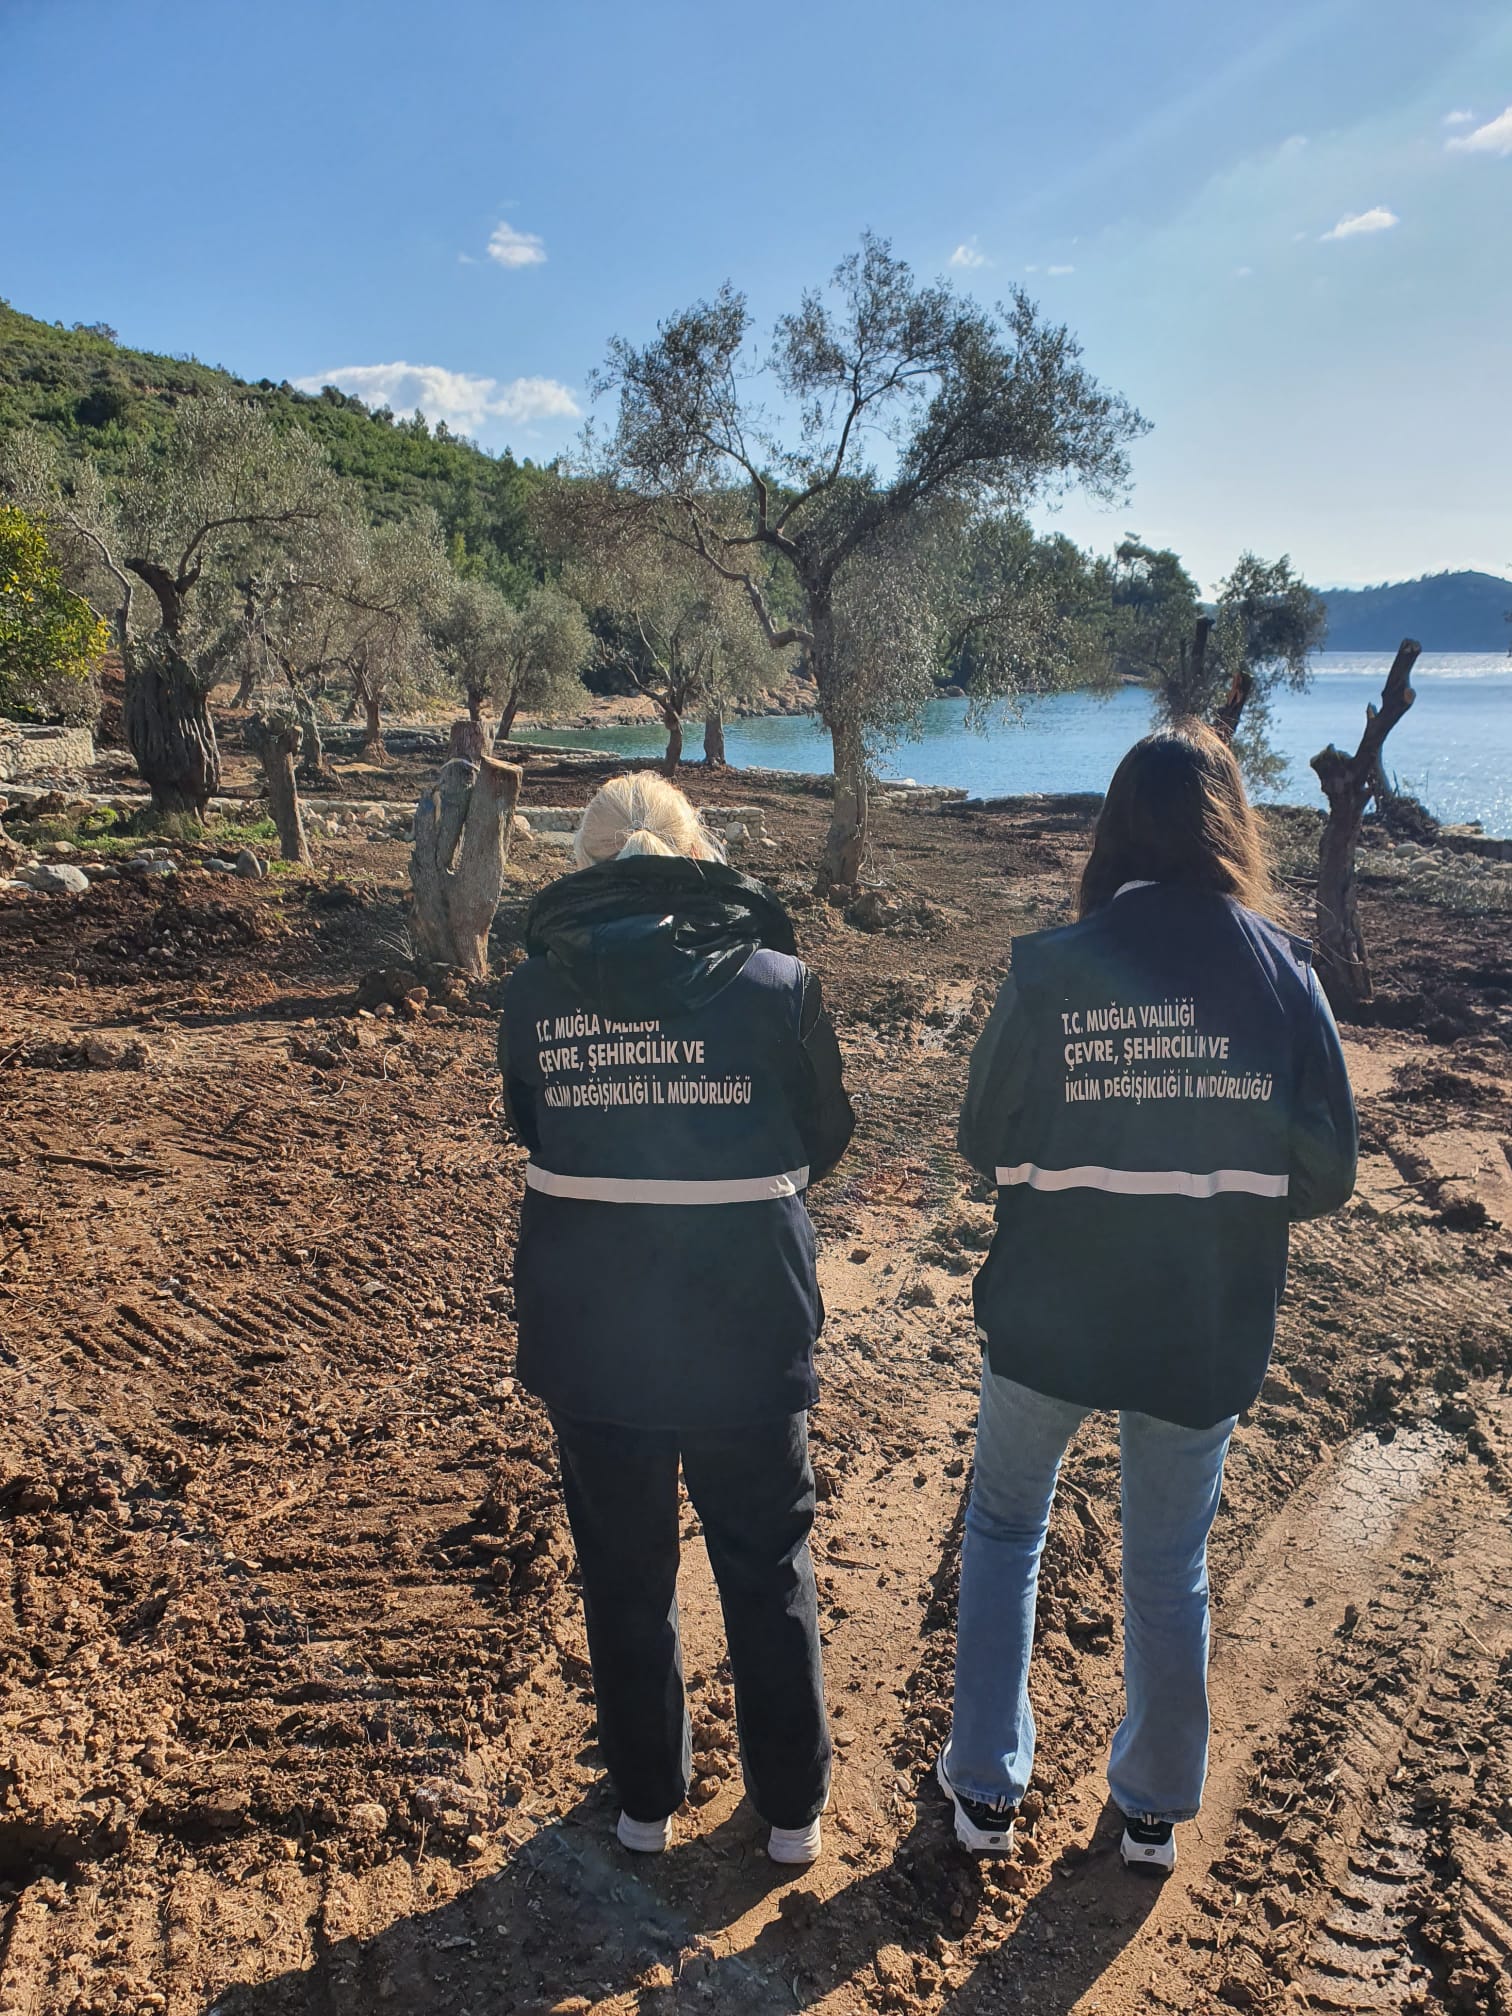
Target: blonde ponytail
pixel 641 813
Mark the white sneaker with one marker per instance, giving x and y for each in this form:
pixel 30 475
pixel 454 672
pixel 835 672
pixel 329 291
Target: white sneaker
pixel 981 1829
pixel 796 1844
pixel 644 1837
pixel 1148 1844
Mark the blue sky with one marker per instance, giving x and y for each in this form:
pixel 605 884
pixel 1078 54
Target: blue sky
pixel 1282 231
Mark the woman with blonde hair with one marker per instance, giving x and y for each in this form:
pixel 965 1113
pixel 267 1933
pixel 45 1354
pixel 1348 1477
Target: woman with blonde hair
pixel 670 1068
pixel 1159 1093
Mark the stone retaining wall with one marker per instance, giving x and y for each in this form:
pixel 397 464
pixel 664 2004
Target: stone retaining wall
pixel 41 754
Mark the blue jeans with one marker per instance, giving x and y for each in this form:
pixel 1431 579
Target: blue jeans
pixel 1172 1479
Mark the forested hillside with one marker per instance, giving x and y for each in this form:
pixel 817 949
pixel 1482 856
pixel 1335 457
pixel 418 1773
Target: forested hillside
pixel 1465 611
pixel 97 396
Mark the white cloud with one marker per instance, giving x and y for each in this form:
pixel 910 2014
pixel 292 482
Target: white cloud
pixel 1243 272
pixel 1058 270
pixel 466 259
pixel 1495 137
pixel 968 255
pixel 1459 118
pixel 465 402
pixel 516 248
pixel 1362 222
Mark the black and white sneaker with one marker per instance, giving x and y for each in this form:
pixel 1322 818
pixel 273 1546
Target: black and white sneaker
pixel 1148 1844
pixel 981 1829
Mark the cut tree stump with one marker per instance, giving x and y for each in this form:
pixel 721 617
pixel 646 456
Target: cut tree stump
pixel 275 740
pixel 1349 782
pixel 470 740
pixel 463 826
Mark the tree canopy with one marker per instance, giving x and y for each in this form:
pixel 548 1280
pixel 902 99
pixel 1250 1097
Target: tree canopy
pixel 51 640
pixel 891 400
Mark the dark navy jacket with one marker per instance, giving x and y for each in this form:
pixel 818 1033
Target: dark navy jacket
pixel 669 1065
pixel 1159 1093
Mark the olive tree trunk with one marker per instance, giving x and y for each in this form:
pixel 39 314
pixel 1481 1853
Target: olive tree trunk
pixel 463 827
pixel 275 744
pixel 1227 717
pixel 1348 783
pixel 714 739
pixel 845 842
pixel 672 722
pixel 170 731
pixel 507 715
pixel 313 766
pixel 372 733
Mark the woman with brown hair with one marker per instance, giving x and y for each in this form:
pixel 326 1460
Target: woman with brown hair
pixel 1159 1093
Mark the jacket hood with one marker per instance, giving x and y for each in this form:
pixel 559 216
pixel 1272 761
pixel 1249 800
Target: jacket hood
pixel 655 935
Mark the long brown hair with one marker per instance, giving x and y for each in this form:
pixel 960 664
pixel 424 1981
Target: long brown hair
pixel 1176 811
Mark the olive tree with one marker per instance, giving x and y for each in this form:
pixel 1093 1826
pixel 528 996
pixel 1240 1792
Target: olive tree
pixel 1258 642
pixel 393 583
pixel 963 405
pixel 543 647
pixel 468 634
pixel 683 635
pixel 222 489
pixel 298 618
pixel 1153 606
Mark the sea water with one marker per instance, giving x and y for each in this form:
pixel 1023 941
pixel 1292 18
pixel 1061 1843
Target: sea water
pixel 1453 750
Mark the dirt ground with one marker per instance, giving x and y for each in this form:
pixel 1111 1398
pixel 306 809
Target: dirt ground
pixel 294 1717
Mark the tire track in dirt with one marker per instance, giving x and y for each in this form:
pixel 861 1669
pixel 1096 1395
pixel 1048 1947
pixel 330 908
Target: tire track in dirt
pixel 1361 1541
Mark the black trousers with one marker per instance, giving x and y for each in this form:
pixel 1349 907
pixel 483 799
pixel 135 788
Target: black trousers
pixel 753 1490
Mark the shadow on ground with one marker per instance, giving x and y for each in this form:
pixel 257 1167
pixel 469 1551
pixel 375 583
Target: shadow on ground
pixel 574 1922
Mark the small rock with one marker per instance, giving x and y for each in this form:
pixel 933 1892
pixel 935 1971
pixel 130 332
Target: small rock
pixel 251 865
pixel 385 987
pixel 416 1002
pixel 736 830
pixel 104 871
pixel 368 1817
pixel 217 866
pixel 860 1255
pixel 64 847
pixel 919 1295
pixel 54 880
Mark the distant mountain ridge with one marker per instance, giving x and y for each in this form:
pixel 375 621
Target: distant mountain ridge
pixel 1467 611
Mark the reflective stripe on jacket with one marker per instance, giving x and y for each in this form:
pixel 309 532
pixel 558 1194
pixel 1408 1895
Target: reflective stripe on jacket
pixel 666 1269
pixel 1160 1091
